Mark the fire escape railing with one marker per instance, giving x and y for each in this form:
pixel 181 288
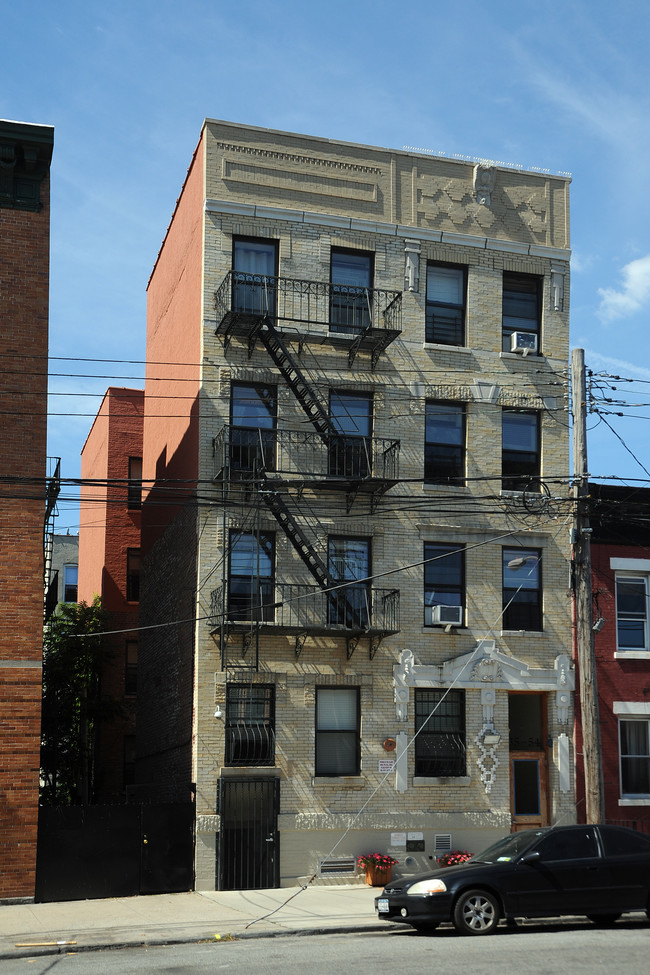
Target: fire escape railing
pixel 354 607
pixel 52 490
pixel 241 451
pixel 370 317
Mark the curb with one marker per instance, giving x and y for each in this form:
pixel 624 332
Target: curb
pixel 161 942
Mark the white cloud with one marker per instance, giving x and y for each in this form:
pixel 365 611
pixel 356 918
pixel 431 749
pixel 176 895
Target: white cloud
pixel 632 296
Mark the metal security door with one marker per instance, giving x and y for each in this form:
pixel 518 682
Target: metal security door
pixel 249 854
pixel 167 848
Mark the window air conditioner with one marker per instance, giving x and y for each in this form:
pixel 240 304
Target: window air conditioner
pixel 523 342
pixel 444 615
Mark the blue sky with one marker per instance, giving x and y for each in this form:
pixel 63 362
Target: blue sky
pixel 562 86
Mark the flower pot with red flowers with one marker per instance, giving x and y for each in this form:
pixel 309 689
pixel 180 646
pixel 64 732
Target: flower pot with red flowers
pixel 378 868
pixel 453 857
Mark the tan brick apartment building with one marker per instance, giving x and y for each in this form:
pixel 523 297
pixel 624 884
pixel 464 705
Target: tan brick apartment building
pixel 25 155
pixel 355 551
pixel 109 566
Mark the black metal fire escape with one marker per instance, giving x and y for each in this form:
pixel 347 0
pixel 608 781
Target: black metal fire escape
pixel 277 349
pixel 52 490
pixel 261 326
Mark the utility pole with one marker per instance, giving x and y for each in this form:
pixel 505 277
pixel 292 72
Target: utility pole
pixel 591 745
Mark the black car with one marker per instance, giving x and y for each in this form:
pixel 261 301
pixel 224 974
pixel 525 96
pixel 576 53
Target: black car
pixel 600 871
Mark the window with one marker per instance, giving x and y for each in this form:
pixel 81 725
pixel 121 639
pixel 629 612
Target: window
pixel 634 748
pixel 446 289
pixel 133 575
pixel 522 589
pixel 440 732
pixel 254 276
pixel 134 487
pixel 251 584
pixel 444 577
pixel 131 668
pixel 351 298
pixel 70 579
pixel 253 416
pixel 349 559
pixel 520 450
pixel 578 844
pixel 444 446
pixel 250 724
pixel 350 455
pixel 621 842
pixel 338 747
pixel 632 612
pixel 521 306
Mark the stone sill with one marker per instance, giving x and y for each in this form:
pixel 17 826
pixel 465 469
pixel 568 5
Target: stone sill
pixel 528 633
pixel 442 780
pixel 340 781
pixel 439 347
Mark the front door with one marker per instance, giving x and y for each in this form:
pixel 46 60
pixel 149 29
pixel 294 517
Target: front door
pixel 528 761
pixel 249 847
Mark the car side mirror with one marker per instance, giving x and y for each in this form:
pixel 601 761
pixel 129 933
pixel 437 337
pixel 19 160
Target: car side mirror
pixel 532 857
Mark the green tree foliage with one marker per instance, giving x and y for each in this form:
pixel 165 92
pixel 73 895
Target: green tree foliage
pixel 72 702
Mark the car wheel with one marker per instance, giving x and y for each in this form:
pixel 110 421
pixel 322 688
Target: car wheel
pixel 603 920
pixel 476 912
pixel 426 927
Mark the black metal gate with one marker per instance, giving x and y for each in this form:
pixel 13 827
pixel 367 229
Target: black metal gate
pixel 249 843
pixel 114 851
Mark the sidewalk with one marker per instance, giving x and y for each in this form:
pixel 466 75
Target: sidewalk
pixel 173 918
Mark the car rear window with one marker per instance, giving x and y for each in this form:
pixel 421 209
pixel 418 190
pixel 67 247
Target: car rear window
pixel 618 842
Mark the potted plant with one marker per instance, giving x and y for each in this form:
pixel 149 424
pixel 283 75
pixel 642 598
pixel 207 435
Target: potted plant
pixel 378 868
pixel 454 857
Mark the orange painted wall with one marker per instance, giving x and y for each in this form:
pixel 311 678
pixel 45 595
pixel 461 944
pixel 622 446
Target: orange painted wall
pixel 92 508
pixel 174 322
pixel 107 526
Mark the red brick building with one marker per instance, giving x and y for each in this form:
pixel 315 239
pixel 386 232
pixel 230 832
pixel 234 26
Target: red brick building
pixel 109 566
pixel 25 155
pixel 620 518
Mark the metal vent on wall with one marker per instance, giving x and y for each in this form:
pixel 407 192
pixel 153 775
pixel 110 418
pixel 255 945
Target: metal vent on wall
pixel 443 843
pixel 337 865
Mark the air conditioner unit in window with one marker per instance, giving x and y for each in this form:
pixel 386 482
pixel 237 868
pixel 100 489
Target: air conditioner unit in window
pixel 444 615
pixel 523 342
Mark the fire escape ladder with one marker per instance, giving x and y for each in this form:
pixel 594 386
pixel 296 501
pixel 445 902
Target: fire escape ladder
pixel 305 550
pixel 296 536
pixel 275 346
pixel 52 489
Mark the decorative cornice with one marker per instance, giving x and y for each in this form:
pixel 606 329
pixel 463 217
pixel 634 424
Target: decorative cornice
pixel 484 665
pixel 300 160
pixel 376 226
pixel 25 156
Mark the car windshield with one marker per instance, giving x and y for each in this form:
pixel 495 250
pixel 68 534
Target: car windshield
pixel 510 847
